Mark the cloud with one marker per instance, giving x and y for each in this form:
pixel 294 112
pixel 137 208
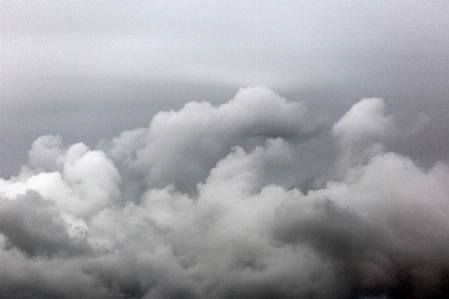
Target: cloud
pixel 204 203
pixel 30 224
pixel 363 123
pixel 181 147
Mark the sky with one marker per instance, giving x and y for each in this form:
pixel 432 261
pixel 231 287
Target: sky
pixel 224 149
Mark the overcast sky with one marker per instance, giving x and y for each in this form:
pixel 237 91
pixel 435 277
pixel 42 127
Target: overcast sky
pixel 224 149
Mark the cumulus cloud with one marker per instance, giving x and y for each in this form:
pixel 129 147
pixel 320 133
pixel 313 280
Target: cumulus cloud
pixel 205 203
pixel 30 224
pixel 180 147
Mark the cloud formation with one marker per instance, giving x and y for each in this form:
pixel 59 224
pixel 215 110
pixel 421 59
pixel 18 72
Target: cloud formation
pixel 205 203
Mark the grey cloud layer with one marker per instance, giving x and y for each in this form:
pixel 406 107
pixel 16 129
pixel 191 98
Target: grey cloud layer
pixel 204 203
pixel 277 44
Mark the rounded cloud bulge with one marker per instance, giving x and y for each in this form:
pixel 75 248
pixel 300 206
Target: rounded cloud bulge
pixel 209 201
pixel 182 146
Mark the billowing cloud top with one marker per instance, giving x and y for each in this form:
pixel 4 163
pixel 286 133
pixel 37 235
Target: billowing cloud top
pixel 210 202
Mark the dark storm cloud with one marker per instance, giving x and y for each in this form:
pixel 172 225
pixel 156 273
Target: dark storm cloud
pixel 203 204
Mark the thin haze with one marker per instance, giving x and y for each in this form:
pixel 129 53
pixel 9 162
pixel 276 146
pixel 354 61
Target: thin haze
pixel 224 150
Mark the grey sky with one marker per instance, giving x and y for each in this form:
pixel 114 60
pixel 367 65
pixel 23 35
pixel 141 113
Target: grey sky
pixel 224 149
pixel 272 43
pixel 69 66
pixel 71 60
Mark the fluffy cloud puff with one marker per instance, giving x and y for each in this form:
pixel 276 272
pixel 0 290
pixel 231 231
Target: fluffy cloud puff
pixel 180 147
pixel 203 204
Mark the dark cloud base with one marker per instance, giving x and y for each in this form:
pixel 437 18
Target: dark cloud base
pixel 231 201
